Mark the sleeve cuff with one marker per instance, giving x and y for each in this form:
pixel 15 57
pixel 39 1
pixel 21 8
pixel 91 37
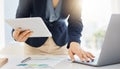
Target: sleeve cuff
pixel 73 40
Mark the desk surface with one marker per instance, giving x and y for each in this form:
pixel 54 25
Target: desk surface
pixel 13 51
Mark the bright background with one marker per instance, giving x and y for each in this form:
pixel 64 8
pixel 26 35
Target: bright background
pixel 95 15
pixel 2 40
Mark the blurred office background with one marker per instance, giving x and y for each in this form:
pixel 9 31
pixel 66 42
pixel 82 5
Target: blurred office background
pixel 2 40
pixel 95 16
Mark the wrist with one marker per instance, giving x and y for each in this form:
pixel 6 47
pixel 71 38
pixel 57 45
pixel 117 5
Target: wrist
pixel 74 44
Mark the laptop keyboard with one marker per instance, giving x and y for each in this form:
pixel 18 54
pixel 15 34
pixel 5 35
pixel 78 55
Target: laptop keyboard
pixel 77 60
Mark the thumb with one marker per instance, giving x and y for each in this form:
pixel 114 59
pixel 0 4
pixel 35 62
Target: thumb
pixel 71 55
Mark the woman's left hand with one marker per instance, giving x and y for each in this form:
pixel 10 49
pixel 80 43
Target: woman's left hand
pixel 75 49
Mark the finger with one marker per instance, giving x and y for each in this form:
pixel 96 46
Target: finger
pixel 16 33
pixel 71 55
pixel 85 57
pixel 23 34
pixel 79 54
pixel 26 36
pixel 91 55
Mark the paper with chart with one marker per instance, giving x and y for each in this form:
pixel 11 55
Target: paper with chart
pixel 41 62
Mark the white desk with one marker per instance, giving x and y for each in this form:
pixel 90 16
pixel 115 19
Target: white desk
pixel 13 51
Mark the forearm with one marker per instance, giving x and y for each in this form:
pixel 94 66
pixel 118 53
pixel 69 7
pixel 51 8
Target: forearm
pixel 74 31
pixel 24 8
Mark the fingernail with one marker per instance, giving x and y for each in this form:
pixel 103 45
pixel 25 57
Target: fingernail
pixel 92 60
pixel 88 61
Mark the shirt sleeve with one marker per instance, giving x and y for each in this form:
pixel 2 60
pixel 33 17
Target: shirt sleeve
pixel 24 8
pixel 75 22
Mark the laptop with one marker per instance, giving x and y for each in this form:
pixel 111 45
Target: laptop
pixel 110 51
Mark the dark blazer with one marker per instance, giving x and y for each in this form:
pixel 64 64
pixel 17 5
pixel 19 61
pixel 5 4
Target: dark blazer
pixel 61 34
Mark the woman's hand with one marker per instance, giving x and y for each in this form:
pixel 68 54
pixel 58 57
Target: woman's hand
pixel 83 55
pixel 20 35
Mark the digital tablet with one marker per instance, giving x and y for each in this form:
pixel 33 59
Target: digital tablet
pixel 35 24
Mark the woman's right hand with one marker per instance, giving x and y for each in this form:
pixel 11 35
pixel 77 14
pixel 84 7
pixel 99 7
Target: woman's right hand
pixel 20 35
